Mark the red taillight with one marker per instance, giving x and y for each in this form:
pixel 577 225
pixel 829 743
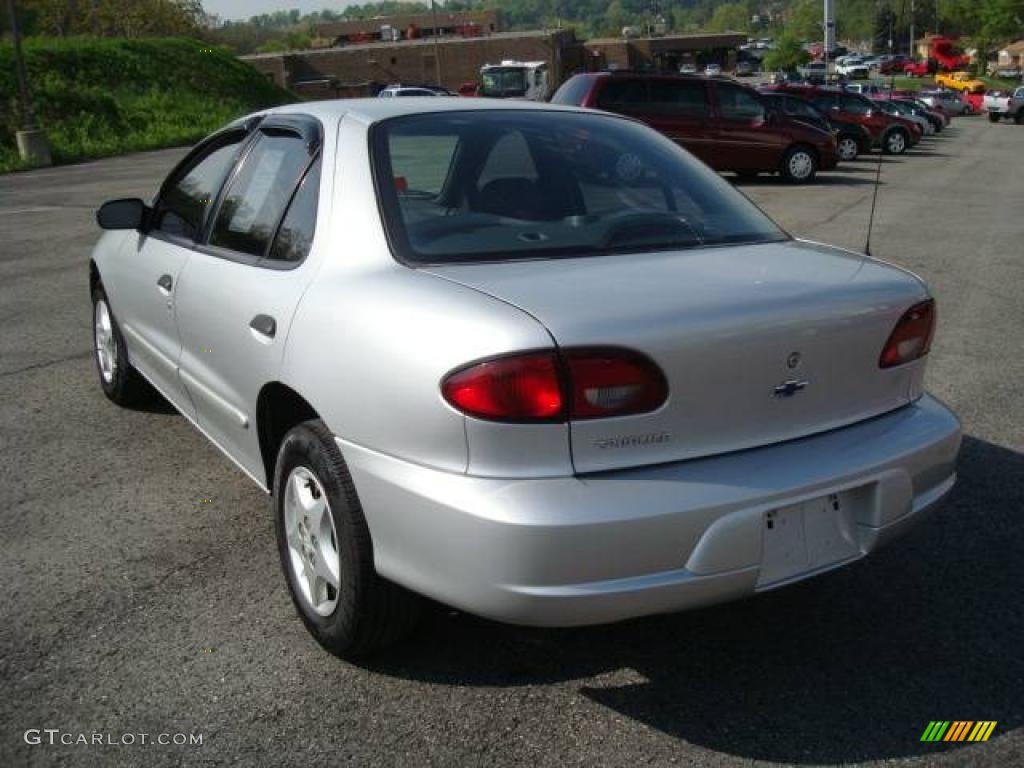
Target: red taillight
pixel 613 382
pixel 516 388
pixel 539 386
pixel 912 337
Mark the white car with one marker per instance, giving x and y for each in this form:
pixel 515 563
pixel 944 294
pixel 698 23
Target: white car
pixel 534 362
pixel 712 70
pixel 853 68
pixel 395 91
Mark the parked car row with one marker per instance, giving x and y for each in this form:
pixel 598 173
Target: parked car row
pixel 794 130
pixel 724 123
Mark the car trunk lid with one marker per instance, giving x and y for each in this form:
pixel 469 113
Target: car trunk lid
pixel 759 343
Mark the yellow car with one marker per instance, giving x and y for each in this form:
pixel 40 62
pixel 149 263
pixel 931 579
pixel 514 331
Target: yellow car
pixel 960 81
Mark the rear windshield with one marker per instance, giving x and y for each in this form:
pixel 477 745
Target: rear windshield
pixel 506 185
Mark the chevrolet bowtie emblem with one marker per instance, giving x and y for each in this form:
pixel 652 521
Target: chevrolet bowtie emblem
pixel 790 388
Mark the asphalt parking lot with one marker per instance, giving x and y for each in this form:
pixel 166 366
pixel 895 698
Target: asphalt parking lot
pixel 143 594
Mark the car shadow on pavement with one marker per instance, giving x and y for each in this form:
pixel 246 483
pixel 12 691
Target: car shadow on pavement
pixel 836 178
pixel 849 666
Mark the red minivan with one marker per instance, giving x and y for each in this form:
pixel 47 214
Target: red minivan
pixel 723 123
pixel 893 134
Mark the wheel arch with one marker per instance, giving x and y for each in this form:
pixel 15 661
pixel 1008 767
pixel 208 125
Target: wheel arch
pixel 278 409
pixel 94 276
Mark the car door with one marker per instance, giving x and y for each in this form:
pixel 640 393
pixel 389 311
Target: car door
pixel 745 139
pixel 237 297
pixel 146 289
pixel 679 109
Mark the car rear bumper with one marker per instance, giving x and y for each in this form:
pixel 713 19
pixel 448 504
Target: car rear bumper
pixel 598 548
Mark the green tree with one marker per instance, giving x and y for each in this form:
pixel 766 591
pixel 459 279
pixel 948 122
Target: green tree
pixel 787 54
pixel 804 20
pixel 111 18
pixel 731 17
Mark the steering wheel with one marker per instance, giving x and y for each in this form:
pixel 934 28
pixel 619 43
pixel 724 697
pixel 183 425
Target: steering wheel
pixel 626 226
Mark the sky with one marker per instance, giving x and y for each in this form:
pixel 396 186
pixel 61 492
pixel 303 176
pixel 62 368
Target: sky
pixel 243 9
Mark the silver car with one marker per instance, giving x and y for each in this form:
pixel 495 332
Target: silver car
pixel 533 362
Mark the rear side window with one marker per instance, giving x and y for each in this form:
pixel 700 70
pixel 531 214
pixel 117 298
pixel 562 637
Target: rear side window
pixel 739 104
pixel 619 95
pixel 258 194
pixel 182 207
pixel 826 101
pixel 573 91
pixel 295 235
pixel 678 97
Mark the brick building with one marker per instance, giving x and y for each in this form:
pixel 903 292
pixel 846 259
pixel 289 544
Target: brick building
pixel 411 26
pixel 360 69
pixel 450 48
pixel 664 53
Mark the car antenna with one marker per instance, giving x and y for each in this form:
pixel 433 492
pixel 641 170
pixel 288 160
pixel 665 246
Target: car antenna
pixel 881 149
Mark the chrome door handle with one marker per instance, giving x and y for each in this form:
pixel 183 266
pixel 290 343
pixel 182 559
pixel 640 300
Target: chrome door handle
pixel 165 284
pixel 264 325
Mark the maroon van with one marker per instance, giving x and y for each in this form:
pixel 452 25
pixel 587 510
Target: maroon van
pixel 722 122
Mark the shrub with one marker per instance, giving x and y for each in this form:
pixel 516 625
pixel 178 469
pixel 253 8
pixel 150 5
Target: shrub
pixel 102 96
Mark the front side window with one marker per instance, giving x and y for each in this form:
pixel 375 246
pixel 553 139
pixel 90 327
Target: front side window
pixel 801 108
pixel 182 207
pixel 521 185
pixel 855 105
pixel 739 104
pixel 258 194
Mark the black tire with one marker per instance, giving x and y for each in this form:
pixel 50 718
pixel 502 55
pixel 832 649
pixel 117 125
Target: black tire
pixel 371 613
pixel 125 385
pixel 847 147
pixel 1019 117
pixel 808 159
pixel 993 117
pixel 895 142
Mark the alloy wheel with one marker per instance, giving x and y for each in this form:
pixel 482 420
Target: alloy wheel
pixel 847 149
pixel 106 344
pixel 312 541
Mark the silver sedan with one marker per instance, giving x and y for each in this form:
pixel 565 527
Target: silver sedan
pixel 536 363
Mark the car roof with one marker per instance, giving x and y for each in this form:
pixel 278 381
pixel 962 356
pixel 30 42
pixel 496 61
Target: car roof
pixel 373 110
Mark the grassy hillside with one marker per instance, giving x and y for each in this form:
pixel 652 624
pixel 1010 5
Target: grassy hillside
pixel 99 97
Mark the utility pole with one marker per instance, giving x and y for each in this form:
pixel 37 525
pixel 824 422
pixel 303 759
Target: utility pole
pixel 437 44
pixel 830 33
pixel 913 40
pixel 32 143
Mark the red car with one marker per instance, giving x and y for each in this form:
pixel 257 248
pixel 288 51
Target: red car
pixel 919 68
pixel 894 135
pixel 725 124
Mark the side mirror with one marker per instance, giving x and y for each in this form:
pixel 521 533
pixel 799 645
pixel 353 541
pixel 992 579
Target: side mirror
pixel 128 213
